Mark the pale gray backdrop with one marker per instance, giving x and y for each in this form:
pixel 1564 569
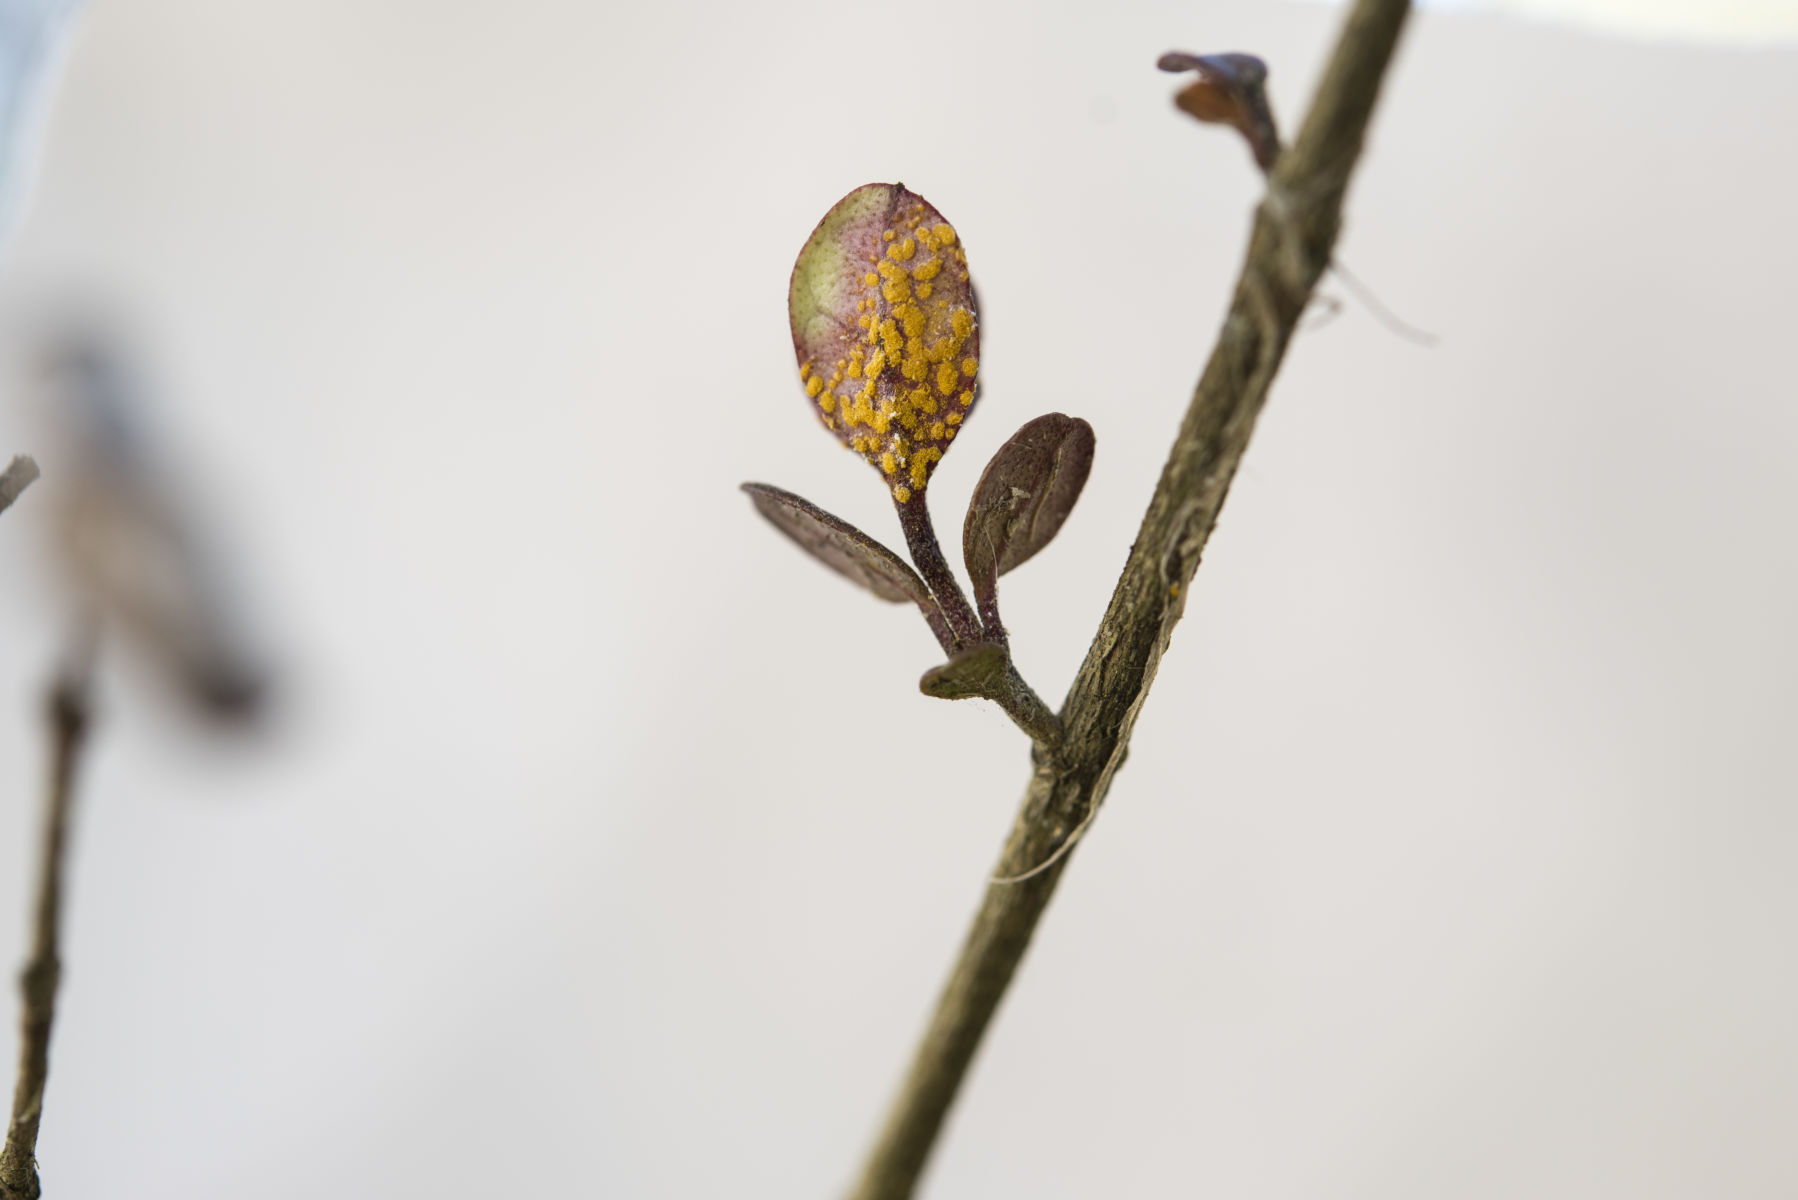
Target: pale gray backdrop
pixel 605 847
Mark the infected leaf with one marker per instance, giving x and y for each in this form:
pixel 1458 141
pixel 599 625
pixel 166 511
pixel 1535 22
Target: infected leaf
pixel 886 330
pixel 841 546
pixel 1023 497
pixel 1231 90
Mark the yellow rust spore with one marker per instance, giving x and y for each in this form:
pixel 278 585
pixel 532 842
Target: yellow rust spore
pixel 947 377
pixel 920 465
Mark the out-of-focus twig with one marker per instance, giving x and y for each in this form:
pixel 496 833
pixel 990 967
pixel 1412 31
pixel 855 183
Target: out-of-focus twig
pixel 68 730
pixel 134 551
pixel 19 474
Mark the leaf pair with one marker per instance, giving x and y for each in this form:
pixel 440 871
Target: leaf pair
pixel 1020 504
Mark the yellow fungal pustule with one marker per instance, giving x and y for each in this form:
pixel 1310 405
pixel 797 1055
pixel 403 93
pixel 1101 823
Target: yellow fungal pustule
pixel 947 377
pixel 920 465
pixel 886 332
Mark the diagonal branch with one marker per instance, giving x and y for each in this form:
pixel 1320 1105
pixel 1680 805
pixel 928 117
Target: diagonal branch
pixel 68 724
pixel 1294 234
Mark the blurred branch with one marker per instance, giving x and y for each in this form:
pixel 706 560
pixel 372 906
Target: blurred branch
pixel 68 730
pixel 19 474
pixel 1294 234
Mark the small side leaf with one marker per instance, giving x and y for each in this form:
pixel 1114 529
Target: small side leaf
pixel 977 671
pixel 1231 90
pixel 841 546
pixel 1022 499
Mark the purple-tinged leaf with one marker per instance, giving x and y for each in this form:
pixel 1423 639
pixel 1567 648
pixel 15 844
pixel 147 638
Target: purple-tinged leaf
pixel 1022 499
pixel 886 331
pixel 1231 90
pixel 841 546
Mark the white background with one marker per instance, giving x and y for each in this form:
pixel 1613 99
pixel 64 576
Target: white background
pixel 604 846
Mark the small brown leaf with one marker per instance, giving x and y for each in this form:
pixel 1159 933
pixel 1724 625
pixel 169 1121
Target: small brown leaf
pixel 1231 90
pixel 841 546
pixel 977 671
pixel 1022 499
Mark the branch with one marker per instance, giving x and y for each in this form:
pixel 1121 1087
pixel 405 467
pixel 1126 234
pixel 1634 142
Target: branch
pixel 1294 235
pixel 19 474
pixel 68 725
